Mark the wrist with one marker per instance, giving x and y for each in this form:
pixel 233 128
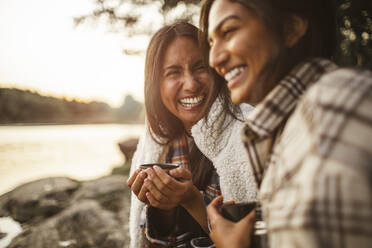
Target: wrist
pixel 192 197
pixel 163 212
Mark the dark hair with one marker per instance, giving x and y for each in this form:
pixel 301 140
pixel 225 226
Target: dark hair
pixel 161 121
pixel 163 125
pixel 318 41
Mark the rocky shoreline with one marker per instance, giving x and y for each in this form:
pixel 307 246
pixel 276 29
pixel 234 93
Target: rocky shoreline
pixel 61 212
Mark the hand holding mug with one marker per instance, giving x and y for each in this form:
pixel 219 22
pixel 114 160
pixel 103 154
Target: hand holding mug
pixel 167 190
pixel 226 233
pixel 135 182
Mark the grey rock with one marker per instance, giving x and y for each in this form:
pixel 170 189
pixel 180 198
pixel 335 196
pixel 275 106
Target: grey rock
pixel 60 212
pixel 38 199
pixel 128 147
pixel 85 224
pixel 111 193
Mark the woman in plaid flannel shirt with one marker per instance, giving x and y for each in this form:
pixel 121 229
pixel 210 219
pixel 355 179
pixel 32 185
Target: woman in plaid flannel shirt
pixel 313 117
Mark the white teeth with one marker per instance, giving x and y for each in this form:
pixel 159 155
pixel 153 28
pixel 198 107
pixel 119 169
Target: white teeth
pixel 192 101
pixel 234 72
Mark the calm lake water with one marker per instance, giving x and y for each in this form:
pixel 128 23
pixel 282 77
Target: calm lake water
pixel 77 151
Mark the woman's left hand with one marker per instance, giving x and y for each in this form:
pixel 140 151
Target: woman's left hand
pixel 166 191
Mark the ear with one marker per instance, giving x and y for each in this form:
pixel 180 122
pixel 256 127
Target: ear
pixel 295 29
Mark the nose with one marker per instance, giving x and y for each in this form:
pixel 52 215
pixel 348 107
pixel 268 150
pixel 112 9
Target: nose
pixel 217 57
pixel 190 82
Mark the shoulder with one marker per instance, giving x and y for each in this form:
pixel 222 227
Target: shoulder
pixel 336 111
pixel 339 85
pixel 338 93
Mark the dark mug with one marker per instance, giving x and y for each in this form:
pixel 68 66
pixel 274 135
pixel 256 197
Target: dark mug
pixel 165 166
pixel 236 212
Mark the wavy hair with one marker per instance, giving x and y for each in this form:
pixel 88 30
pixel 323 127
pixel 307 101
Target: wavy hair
pixel 163 125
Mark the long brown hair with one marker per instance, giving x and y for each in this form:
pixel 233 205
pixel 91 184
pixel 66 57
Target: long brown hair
pixel 161 121
pixel 163 125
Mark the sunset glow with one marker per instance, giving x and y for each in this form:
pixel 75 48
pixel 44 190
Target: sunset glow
pixel 42 51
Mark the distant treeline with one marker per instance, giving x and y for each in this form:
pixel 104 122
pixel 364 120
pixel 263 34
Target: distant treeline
pixel 24 106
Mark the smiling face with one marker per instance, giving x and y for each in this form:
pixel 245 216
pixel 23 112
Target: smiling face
pixel 185 81
pixel 240 48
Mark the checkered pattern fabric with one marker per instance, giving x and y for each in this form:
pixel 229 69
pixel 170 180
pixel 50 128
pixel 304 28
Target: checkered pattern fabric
pixel 178 154
pixel 316 187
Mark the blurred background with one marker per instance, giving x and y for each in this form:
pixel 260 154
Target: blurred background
pixel 71 79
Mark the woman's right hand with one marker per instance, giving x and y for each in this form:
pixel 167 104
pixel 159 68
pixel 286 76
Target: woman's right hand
pixel 225 233
pixel 135 183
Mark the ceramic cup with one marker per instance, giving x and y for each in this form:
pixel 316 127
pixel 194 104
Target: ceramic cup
pixel 236 212
pixel 165 166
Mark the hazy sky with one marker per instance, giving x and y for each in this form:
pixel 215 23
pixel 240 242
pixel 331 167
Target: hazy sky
pixel 40 49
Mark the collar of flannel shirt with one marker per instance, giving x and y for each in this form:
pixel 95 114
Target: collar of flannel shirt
pixel 277 106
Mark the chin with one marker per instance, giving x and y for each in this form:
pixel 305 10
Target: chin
pixel 237 98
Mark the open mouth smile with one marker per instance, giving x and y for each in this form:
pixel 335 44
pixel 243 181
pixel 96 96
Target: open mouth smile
pixel 233 73
pixel 191 102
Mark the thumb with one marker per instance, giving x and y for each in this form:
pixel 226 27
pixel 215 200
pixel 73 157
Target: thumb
pixel 181 173
pixel 213 211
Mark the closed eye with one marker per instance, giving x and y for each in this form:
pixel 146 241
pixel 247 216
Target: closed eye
pixel 171 73
pixel 228 31
pixel 201 68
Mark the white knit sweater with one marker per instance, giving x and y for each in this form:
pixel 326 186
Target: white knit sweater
pixel 148 151
pixel 227 153
pixel 225 150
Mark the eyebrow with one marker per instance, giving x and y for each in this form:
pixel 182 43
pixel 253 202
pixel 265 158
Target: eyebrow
pixel 223 21
pixel 171 67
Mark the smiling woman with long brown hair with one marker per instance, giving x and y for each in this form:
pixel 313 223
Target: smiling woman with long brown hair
pixel 186 117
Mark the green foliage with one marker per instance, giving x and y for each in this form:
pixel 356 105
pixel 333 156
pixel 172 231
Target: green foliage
pixel 127 16
pixel 19 106
pixel 354 18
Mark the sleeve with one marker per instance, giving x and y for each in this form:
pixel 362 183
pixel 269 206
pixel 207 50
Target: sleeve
pixel 136 206
pixel 332 184
pixel 148 151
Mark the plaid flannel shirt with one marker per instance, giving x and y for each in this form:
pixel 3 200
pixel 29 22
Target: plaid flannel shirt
pixel 178 154
pixel 316 187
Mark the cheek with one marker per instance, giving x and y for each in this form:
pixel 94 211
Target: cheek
pixel 205 79
pixel 240 45
pixel 163 93
pixel 168 91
